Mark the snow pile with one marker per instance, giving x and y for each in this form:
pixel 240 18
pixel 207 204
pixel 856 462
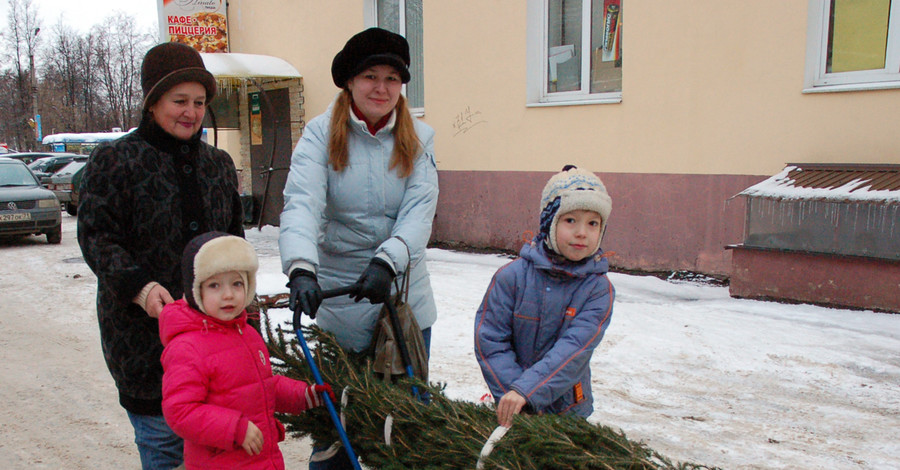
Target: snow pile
pixel 697 375
pixel 781 186
pixel 82 138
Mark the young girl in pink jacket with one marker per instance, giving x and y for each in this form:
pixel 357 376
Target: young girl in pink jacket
pixel 219 393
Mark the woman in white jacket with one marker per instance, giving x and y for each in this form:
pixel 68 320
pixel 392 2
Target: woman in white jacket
pixel 360 200
pixel 361 194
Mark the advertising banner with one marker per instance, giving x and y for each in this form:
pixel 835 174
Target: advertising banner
pixel 611 23
pixel 255 120
pixel 201 24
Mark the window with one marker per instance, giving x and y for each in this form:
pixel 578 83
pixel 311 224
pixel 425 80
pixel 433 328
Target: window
pixel 852 45
pixel 574 51
pixel 404 17
pixel 226 108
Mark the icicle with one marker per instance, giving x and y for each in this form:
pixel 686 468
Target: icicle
pixel 893 220
pixel 870 217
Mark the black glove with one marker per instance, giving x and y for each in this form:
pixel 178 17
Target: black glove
pixel 375 282
pixel 305 294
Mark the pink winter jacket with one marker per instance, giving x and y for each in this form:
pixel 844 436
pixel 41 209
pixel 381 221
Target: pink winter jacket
pixel 217 376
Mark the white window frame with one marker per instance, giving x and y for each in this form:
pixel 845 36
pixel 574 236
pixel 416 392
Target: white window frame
pixel 817 80
pixel 370 18
pixel 537 64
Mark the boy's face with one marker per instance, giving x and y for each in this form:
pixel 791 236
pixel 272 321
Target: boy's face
pixel 223 295
pixel 577 234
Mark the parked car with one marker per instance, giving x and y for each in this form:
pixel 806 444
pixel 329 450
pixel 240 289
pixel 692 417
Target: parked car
pixel 25 207
pixel 28 157
pixel 64 184
pixel 44 167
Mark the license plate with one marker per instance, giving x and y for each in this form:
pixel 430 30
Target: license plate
pixel 15 217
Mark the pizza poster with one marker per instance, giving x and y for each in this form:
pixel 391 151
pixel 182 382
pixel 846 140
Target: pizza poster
pixel 201 24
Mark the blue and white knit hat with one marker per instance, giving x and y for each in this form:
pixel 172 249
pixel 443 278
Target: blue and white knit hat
pixel 569 190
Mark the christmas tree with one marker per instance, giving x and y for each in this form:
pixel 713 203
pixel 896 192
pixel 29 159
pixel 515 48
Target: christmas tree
pixel 436 432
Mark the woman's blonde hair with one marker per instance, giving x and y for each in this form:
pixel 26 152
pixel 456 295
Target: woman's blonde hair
pixel 406 142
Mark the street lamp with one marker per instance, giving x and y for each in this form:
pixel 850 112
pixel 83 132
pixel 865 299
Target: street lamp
pixel 34 88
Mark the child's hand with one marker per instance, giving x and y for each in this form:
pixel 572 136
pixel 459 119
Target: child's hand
pixel 313 395
pixel 510 405
pixel 253 440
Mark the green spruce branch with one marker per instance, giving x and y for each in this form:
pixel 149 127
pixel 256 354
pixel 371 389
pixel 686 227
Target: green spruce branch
pixel 442 433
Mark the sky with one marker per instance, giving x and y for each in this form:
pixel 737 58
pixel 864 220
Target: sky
pixel 81 15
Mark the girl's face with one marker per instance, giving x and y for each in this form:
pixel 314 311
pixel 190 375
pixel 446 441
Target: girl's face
pixel 376 91
pixel 180 110
pixel 577 234
pixel 224 295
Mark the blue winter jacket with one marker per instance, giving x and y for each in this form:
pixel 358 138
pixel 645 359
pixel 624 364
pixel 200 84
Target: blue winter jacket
pixel 537 328
pixel 337 221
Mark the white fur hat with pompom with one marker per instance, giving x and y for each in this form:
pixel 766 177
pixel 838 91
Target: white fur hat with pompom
pixel 569 190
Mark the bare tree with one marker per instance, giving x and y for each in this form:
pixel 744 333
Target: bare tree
pixel 62 81
pixel 87 82
pixel 21 44
pixel 70 87
pixel 85 54
pixel 9 108
pixel 119 50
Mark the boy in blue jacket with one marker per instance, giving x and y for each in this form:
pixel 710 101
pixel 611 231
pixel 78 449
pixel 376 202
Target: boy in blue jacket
pixel 545 312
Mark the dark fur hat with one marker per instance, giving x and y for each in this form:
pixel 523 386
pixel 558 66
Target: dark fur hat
pixel 374 46
pixel 170 64
pixel 214 253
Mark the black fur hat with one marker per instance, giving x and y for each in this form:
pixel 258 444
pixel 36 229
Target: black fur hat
pixel 374 46
pixel 214 253
pixel 170 64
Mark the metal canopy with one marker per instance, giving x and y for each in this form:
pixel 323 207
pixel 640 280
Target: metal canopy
pixel 239 65
pixel 834 182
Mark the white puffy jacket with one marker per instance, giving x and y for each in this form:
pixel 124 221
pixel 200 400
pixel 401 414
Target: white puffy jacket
pixel 336 222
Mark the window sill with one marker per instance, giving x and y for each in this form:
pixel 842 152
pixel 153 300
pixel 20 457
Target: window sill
pixel 544 104
pixel 852 87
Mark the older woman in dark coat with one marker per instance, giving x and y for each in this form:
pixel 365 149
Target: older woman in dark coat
pixel 143 197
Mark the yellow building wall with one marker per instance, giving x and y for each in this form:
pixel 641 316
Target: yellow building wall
pixel 229 141
pixel 306 33
pixel 709 87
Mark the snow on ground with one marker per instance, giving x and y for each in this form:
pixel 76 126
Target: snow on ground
pixel 697 375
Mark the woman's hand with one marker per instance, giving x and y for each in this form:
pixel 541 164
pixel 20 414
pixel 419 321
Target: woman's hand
pixel 157 298
pixel 375 282
pixel 253 439
pixel 305 293
pixel 510 405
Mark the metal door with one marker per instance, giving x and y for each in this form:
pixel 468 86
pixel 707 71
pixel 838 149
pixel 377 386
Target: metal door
pixel 270 152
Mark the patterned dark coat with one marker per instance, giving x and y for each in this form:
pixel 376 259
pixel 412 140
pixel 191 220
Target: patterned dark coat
pixel 143 197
